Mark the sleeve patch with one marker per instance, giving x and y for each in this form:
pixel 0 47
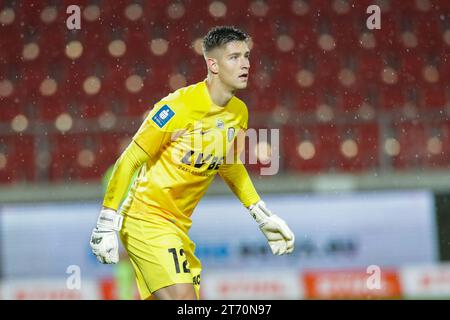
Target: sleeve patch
pixel 163 116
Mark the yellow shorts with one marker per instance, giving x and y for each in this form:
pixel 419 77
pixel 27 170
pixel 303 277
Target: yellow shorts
pixel 161 254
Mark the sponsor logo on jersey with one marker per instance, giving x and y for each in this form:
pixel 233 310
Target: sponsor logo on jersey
pixel 163 116
pixel 198 160
pixel 220 124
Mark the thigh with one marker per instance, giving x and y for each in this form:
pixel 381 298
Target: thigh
pixel 179 291
pixel 158 255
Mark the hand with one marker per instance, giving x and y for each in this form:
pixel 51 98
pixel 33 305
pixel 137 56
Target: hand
pixel 104 241
pixel 105 245
pixel 280 237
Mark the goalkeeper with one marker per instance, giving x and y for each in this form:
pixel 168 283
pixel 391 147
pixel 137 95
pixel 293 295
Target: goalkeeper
pixel 174 172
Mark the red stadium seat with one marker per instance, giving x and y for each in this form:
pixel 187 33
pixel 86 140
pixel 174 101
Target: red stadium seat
pixel 428 32
pixel 370 66
pixel 412 138
pixel 9 35
pixel 49 108
pixel 387 37
pixel 307 100
pixel 136 105
pixel 19 154
pixel 434 98
pixel 411 67
pixel 256 155
pixel 82 156
pixel 274 81
pixel 304 35
pixel 438 153
pixel 320 151
pixel 366 155
pixel 327 67
pixel 91 107
pixel 11 105
pixel 392 98
pixel 52 42
pixel 349 101
pixel 345 32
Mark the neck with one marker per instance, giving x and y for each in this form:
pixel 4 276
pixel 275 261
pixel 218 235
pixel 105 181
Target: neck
pixel 220 93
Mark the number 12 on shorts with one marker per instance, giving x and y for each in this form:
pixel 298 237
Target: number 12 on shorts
pixel 173 251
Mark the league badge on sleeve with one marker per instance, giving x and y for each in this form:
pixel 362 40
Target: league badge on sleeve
pixel 163 116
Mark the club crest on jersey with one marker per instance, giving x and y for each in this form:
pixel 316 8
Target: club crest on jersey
pixel 163 116
pixel 220 124
pixel 230 134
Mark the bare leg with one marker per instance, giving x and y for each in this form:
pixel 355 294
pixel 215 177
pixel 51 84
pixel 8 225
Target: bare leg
pixel 179 291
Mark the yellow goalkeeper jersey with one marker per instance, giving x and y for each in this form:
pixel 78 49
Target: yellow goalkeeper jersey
pixel 188 138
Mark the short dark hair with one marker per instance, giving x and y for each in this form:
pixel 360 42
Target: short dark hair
pixel 221 35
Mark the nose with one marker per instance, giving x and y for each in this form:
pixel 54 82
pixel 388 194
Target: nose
pixel 245 64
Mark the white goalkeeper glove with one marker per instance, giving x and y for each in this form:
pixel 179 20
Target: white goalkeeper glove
pixel 280 237
pixel 104 241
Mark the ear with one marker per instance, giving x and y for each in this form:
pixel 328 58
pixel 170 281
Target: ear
pixel 213 66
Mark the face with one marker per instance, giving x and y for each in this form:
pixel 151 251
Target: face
pixel 232 64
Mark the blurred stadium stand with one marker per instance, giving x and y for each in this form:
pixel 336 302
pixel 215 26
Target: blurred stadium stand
pixel 357 109
pixel 346 99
